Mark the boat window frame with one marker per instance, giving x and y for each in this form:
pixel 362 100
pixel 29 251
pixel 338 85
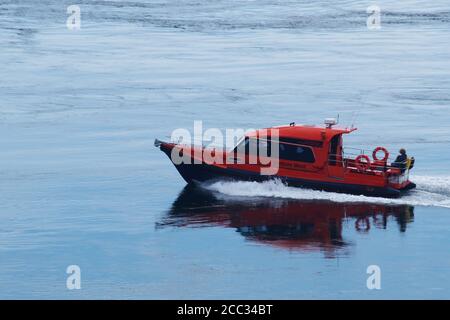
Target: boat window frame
pixel 268 141
pixel 311 149
pixel 246 139
pixel 243 139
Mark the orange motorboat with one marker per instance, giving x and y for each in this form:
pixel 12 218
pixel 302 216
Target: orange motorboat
pixel 305 156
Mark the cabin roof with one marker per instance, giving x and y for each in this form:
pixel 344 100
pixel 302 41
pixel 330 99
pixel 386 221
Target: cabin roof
pixel 309 132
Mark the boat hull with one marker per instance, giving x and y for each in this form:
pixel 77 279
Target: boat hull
pixel 203 172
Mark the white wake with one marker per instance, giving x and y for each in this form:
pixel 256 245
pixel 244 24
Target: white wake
pixel 430 191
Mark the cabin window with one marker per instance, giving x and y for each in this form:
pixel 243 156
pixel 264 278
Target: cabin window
pixel 242 146
pixel 296 153
pixel 253 146
pixel 262 148
pixel 304 142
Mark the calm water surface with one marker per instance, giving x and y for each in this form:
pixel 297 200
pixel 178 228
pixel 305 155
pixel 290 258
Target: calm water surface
pixel 81 183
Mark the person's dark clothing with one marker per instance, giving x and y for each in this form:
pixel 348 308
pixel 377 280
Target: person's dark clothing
pixel 401 158
pixel 400 162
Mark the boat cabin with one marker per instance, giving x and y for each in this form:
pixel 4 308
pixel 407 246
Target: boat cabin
pixel 319 149
pixel 309 147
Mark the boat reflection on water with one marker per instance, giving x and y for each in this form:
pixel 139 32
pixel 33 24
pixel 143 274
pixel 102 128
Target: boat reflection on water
pixel 290 224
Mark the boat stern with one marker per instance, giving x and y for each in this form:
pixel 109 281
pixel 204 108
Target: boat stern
pixel 401 181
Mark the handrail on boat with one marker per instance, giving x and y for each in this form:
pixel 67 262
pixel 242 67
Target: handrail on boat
pixel 374 166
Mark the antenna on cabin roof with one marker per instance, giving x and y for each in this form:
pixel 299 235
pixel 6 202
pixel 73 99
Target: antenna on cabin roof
pixel 354 118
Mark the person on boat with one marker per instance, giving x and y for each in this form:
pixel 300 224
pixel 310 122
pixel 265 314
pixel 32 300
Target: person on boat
pixel 401 160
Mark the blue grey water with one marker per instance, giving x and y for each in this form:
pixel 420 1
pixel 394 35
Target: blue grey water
pixel 81 183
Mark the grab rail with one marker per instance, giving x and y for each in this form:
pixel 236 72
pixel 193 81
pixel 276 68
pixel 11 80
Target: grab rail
pixel 344 161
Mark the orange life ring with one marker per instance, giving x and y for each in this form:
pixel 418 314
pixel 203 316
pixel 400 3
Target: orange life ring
pixel 362 165
pixel 375 152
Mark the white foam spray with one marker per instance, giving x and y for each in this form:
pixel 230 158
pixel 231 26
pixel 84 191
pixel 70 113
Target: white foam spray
pixel 430 191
